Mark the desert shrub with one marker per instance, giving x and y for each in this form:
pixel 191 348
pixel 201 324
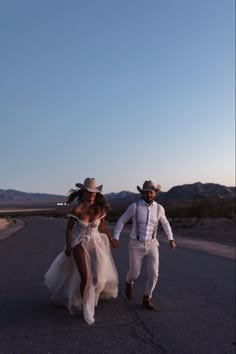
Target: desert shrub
pixel 213 207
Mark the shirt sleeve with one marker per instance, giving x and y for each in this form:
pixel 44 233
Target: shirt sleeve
pixel 165 224
pixel 126 216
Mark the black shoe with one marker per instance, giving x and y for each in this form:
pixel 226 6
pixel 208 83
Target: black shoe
pixel 128 290
pixel 147 303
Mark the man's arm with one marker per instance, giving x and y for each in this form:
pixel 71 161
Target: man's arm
pixel 124 218
pixel 167 228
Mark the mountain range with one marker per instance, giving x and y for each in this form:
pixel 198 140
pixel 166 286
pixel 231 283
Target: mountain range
pixel 179 194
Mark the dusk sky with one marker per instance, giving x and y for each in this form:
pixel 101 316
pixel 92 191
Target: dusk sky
pixel 119 90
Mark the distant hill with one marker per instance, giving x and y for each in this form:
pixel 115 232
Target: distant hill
pixel 122 198
pixel 188 191
pixel 11 197
pixel 188 200
pixel 177 196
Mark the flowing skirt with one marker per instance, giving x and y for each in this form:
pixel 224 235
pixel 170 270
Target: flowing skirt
pixel 63 278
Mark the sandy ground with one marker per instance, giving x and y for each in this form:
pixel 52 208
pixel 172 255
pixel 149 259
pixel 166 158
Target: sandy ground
pixel 202 236
pixel 213 236
pixel 4 223
pixel 215 248
pixel 24 209
pixel 9 226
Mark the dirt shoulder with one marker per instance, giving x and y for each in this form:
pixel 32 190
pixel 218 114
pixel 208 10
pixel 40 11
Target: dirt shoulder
pixel 9 226
pixel 218 249
pixel 214 236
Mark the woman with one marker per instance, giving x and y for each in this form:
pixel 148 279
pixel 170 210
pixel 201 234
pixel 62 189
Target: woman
pixel 85 271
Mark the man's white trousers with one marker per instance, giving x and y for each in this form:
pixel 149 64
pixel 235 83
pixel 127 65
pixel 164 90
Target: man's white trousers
pixel 137 251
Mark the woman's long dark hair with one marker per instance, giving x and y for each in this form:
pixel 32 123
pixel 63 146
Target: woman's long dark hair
pixel 74 193
pixel 100 202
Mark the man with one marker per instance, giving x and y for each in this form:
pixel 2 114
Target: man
pixel 145 214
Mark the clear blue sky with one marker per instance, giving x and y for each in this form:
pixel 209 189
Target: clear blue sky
pixel 119 90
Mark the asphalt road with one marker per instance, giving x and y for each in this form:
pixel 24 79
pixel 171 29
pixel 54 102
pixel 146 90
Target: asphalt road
pixel 195 292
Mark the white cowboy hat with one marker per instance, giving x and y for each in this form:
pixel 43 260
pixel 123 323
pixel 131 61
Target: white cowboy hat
pixel 90 185
pixel 149 186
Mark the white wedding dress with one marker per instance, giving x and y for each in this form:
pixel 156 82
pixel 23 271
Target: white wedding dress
pixel 63 278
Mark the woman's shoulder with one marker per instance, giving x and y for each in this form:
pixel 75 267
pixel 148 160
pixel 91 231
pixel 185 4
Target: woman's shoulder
pixel 75 212
pixel 77 209
pixel 72 216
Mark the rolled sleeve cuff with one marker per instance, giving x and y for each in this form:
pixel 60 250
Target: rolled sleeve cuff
pixel 116 236
pixel 170 238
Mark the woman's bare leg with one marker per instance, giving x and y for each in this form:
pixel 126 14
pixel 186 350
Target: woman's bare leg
pixel 80 260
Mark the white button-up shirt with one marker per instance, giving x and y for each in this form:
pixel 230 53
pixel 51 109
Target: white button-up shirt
pixel 147 217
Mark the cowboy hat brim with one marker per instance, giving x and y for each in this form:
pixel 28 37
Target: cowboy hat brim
pixel 156 189
pixel 95 190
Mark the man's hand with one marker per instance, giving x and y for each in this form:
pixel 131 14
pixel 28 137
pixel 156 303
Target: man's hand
pixel 115 243
pixel 172 244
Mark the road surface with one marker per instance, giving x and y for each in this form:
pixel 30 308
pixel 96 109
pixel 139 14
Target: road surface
pixel 195 292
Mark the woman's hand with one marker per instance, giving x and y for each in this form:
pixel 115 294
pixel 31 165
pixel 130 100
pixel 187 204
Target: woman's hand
pixel 115 243
pixel 68 251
